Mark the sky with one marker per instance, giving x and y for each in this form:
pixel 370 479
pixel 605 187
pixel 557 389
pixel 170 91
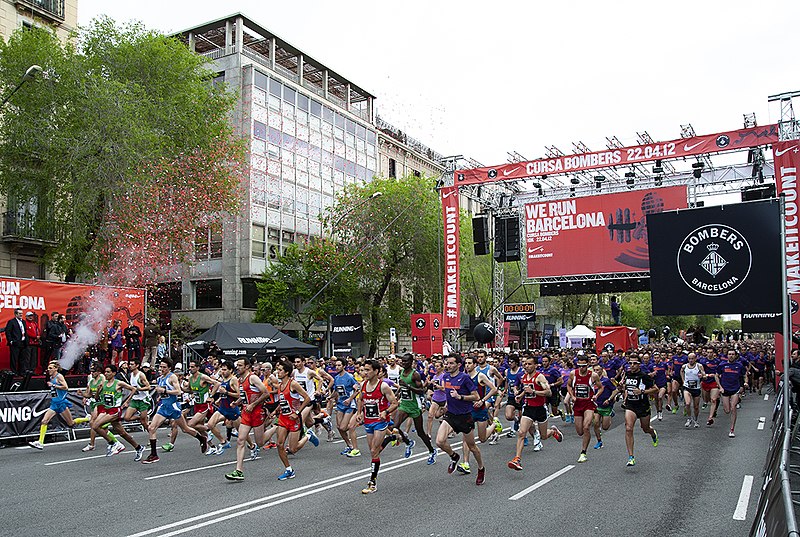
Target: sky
pixel 480 79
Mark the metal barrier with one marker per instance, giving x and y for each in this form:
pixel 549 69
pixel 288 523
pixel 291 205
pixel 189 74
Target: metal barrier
pixel 775 513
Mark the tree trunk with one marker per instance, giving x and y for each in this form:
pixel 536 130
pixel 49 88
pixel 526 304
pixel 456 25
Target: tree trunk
pixel 374 313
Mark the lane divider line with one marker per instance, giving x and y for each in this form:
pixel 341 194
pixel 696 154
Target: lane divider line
pixel 541 483
pixel 740 513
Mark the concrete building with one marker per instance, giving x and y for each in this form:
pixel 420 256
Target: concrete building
pixel 21 246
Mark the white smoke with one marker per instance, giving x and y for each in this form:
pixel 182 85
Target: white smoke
pixel 92 325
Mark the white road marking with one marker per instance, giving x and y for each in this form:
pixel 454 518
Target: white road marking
pixel 766 397
pixel 76 460
pixel 57 443
pixel 761 421
pixel 744 498
pixel 190 470
pixel 541 483
pixel 340 441
pixel 289 496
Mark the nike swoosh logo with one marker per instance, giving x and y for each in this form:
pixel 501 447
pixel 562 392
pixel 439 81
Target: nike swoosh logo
pixel 506 173
pixel 447 195
pixel 779 153
pixel 604 334
pixel 687 147
pixel 36 414
pixel 531 250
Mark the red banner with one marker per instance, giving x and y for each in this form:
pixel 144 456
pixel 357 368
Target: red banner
pixel 684 147
pixel 69 299
pixel 426 333
pixel 622 337
pixel 452 279
pixel 787 162
pixel 595 234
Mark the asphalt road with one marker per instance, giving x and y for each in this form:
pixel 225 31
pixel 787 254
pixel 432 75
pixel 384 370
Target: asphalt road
pixel 689 484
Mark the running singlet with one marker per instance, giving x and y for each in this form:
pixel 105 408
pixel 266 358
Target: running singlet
pixel 730 375
pixel 288 401
pixel 343 384
pixel 167 399
pixel 94 385
pixel 139 395
pixel 304 381
pixel 109 396
pixel 692 376
pixel 582 385
pixel 374 402
pixel 247 392
pixel 438 395
pixel 512 381
pixel 634 381
pixel 225 400
pixel 608 389
pixel 199 390
pixel 406 395
pixel 677 363
pixel 660 377
pixel 480 388
pixel 531 400
pixel 58 395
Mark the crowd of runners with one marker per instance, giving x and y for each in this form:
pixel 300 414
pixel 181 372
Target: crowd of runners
pixel 286 405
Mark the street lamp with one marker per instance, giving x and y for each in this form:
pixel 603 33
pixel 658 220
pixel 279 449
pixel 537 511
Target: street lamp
pixel 29 74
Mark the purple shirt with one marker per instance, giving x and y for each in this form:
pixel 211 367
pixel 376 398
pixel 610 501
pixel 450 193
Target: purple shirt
pixel 463 384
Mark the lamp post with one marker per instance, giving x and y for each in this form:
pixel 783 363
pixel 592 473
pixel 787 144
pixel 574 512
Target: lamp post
pixel 29 74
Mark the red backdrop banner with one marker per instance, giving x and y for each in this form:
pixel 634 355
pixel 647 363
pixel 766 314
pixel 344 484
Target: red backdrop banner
pixel 452 279
pixel 43 298
pixel 426 333
pixel 595 234
pixel 787 162
pixel 624 156
pixel 622 337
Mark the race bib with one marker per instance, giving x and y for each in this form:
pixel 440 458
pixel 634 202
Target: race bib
pixel 53 391
pixel 341 391
pixel 286 408
pixel 109 399
pixel 371 410
pixel 582 391
pixel 405 394
pixel 691 384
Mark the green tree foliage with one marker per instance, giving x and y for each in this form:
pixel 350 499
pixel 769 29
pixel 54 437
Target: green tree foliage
pixel 123 144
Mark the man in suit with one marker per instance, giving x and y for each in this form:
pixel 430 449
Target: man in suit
pixel 17 342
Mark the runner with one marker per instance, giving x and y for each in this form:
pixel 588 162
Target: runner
pixel 292 400
pixel 730 377
pixel 513 408
pixel 306 377
pixel 691 375
pixel 659 376
pixel 709 386
pixel 535 393
pixel 90 396
pixel 584 386
pixel 553 376
pixel 200 385
pixel 480 416
pixel 168 387
pixel 376 404
pixel 677 361
pixel 482 364
pixel 140 401
pixel 639 387
pixel 347 390
pixel 59 405
pixel 226 393
pixel 410 388
pixel 252 394
pixel 461 393
pixel 438 396
pixel 109 411
pixel 605 405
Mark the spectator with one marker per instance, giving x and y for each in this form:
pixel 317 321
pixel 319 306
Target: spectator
pixel 122 372
pixel 133 341
pixel 17 342
pixel 52 338
pixel 102 347
pixel 616 311
pixel 34 336
pixel 161 349
pixel 794 376
pixel 176 352
pixel 148 372
pixel 115 340
pixel 152 336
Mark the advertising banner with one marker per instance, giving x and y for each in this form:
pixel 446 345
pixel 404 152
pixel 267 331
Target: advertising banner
pixel 683 147
pixel 347 329
pixel 69 299
pixel 622 337
pixel 596 234
pixel 452 278
pixel 716 260
pixel 426 333
pixel 21 413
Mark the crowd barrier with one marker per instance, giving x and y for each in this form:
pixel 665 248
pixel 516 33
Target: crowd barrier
pixel 775 514
pixel 21 413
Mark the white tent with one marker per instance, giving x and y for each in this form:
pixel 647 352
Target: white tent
pixel 581 332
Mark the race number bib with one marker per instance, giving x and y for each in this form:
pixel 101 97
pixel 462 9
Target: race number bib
pixel 405 393
pixel 691 384
pixel 341 391
pixel 582 391
pixel 631 385
pixel 371 410
pixel 109 399
pixel 53 391
pixel 286 408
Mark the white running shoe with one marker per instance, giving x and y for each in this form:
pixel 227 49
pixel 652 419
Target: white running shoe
pixel 119 447
pixel 688 423
pixel 87 447
pixel 36 445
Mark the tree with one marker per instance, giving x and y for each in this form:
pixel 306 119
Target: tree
pixel 123 146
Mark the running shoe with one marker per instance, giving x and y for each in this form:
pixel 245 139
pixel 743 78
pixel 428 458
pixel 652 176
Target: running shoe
pixel 481 476
pixel 254 453
pixel 235 432
pixel 38 445
pixel 370 488
pixel 287 474
pixel 139 453
pixel 119 447
pixel 705 405
pixel 270 445
pixel 226 445
pixel 498 426
pixel 88 447
pixel 537 446
pixel 432 456
pixel 631 461
pixel 212 450
pixel 669 408
pixel 109 448
pixel 659 416
pixel 515 464
pixel 731 434
pixel 493 439
pixel 313 438
pixel 453 463
pixel 168 447
pixel 151 459
pixel 738 405
pixel 219 450
pixel 331 436
pixel 345 451
pixel 409 448
pixel 354 453
pixel 688 423
pixel 599 444
pixel 675 410
pixel 654 436
pixel 236 475
pixel 613 413
pixel 464 468
pixel 511 434
pixel 557 434
pixel 582 457
pixel 696 425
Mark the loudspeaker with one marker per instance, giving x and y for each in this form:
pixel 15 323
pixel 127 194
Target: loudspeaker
pixel 506 239
pixel 480 234
pixel 760 192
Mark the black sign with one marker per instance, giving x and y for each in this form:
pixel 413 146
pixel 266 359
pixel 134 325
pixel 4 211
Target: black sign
pixel 716 260
pixel 521 317
pixel 21 413
pixel 762 322
pixel 346 329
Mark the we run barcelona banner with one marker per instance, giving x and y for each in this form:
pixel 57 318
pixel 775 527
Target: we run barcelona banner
pixel 601 234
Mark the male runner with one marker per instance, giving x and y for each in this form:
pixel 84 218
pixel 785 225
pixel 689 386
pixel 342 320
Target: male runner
pixel 227 392
pixel 200 385
pixel 639 387
pixel 411 388
pixel 59 405
pixel 347 390
pixel 292 399
pixel 252 394
pixel 90 395
pixel 375 406
pixel 584 386
pixel 692 374
pixel 140 400
pixel 730 377
pixel 480 415
pixel 109 411
pixel 513 407
pixel 496 378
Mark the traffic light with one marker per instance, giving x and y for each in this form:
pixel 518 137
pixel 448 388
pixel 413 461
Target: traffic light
pixel 165 320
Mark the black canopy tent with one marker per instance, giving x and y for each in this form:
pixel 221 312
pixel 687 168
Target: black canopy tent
pixel 261 340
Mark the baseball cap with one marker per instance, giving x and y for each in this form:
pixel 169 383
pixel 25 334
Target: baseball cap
pixel 146 364
pixel 178 366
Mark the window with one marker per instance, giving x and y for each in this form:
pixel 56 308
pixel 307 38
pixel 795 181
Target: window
pixel 259 241
pixel 316 108
pixel 261 80
pixel 416 173
pixel 327 114
pixel 289 95
pixel 392 168
pixel 275 87
pixel 167 296
pixel 219 80
pixel 208 242
pixel 259 130
pixel 208 294
pixel 302 102
pixel 249 294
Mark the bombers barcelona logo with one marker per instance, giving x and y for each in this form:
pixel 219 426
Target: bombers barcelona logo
pixel 714 259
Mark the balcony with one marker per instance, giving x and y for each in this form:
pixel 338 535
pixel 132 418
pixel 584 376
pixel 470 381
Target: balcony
pixel 27 228
pixel 52 10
